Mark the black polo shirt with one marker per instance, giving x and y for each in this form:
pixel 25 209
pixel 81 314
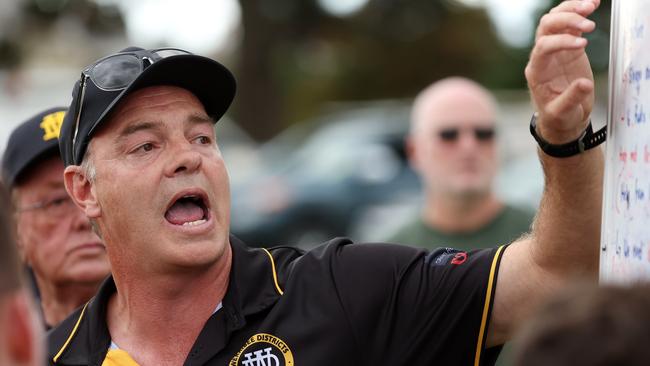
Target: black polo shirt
pixel 339 304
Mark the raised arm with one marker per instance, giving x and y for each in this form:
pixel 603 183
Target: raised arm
pixel 565 236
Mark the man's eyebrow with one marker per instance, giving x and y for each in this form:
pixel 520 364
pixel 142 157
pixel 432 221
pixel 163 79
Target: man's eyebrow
pixel 140 126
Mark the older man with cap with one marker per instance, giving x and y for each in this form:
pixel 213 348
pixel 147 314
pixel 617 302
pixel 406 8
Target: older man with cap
pixel 54 237
pixel 143 163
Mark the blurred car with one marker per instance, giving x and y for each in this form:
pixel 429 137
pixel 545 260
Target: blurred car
pixel 238 148
pixel 315 188
pixel 520 181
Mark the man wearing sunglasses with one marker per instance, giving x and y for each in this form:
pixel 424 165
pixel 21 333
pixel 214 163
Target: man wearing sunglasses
pixel 56 242
pixel 452 146
pixel 142 162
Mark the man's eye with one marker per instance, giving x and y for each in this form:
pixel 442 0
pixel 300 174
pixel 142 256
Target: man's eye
pixel 58 201
pixel 204 140
pixel 146 147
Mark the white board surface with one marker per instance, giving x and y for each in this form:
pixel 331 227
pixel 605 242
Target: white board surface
pixel 625 239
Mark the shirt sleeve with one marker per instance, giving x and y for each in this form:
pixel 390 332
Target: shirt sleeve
pixel 411 306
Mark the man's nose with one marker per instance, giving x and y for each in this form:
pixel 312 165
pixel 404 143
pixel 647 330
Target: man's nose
pixel 183 159
pixel 467 140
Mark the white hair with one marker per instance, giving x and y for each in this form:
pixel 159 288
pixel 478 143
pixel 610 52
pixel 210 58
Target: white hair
pixel 88 165
pixel 88 169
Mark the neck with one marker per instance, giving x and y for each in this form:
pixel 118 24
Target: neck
pixel 456 214
pixel 60 300
pixel 145 305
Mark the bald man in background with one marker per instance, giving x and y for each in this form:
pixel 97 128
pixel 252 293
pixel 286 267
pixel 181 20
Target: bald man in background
pixel 452 147
pixel 20 334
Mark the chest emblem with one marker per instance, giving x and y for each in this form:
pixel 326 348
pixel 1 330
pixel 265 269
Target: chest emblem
pixel 263 349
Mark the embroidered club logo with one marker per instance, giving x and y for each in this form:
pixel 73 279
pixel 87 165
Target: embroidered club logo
pixel 459 258
pixel 51 125
pixel 263 350
pixel 444 256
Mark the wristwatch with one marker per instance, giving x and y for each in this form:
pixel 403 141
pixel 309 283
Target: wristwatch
pixel 587 140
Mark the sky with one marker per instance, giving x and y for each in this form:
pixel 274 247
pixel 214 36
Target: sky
pixel 206 26
pixel 513 19
pixel 200 26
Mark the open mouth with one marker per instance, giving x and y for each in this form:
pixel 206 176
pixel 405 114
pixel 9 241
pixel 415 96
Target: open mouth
pixel 190 209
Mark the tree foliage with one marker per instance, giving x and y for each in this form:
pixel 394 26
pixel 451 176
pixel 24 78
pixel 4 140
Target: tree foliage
pixel 294 57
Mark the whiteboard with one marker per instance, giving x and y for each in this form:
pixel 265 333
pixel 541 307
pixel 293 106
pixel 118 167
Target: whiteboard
pixel 625 235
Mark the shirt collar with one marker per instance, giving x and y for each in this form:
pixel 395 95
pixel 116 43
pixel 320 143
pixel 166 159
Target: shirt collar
pixel 83 338
pixel 254 283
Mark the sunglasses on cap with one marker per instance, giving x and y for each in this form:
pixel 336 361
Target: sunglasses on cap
pixel 452 134
pixel 115 73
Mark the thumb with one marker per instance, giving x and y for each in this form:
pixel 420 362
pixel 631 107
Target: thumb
pixel 565 104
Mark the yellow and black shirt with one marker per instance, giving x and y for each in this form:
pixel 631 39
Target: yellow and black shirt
pixel 339 304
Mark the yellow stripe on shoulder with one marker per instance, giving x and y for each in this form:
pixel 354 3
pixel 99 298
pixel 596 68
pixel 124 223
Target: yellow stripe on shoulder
pixel 486 306
pixel 118 357
pixel 74 331
pixel 275 273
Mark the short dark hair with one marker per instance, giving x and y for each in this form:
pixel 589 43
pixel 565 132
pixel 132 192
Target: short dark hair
pixel 10 268
pixel 589 325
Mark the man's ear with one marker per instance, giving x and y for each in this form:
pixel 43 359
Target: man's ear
pixel 23 336
pixel 81 189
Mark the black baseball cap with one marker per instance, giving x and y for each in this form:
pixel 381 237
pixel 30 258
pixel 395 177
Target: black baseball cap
pixel 212 83
pixel 31 142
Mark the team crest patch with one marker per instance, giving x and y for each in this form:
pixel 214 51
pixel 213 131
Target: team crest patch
pixel 263 350
pixel 445 256
pixel 51 125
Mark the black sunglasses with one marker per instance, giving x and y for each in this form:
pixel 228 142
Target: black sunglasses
pixel 482 134
pixel 116 72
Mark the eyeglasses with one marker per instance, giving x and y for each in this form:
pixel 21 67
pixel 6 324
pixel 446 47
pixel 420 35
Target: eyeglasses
pixel 452 134
pixel 116 72
pixel 55 207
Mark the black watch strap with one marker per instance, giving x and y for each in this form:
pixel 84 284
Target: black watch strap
pixel 587 140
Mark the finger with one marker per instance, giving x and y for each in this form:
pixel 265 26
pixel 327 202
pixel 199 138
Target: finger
pixel 578 92
pixel 548 46
pixel 582 7
pixel 565 22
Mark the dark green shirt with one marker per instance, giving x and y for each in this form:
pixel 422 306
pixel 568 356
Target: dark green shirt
pixel 509 225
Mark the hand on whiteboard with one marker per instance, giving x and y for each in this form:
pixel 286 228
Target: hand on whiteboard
pixel 559 74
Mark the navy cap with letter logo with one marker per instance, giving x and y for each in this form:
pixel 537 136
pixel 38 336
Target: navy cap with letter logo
pixel 109 80
pixel 31 142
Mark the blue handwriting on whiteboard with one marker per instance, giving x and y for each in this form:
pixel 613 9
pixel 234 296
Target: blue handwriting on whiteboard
pixel 625 195
pixel 637 251
pixel 634 77
pixel 639 114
